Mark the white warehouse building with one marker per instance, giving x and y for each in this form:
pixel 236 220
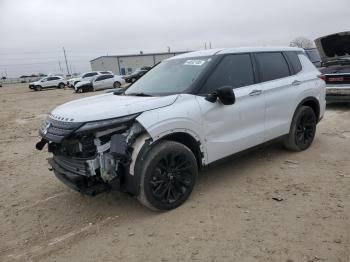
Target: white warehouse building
pixel 126 64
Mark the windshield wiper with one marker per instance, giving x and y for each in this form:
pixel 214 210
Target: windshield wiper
pixel 139 94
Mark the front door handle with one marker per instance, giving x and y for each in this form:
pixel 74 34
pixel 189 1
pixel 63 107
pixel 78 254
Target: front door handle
pixel 255 92
pixel 296 83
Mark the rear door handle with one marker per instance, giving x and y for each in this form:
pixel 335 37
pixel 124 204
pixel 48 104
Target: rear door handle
pixel 255 92
pixel 296 83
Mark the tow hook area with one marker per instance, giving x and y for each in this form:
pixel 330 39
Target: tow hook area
pixel 40 145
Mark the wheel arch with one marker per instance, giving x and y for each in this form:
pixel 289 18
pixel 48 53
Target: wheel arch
pixel 189 141
pixel 310 102
pixel 145 142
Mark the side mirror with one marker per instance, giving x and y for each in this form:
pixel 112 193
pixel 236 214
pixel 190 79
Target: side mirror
pixel 224 93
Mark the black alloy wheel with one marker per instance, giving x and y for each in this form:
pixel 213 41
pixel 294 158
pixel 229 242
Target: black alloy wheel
pixel 303 129
pixel 171 178
pixel 168 174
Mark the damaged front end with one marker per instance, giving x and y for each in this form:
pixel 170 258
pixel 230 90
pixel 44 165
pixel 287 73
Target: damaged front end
pixel 91 157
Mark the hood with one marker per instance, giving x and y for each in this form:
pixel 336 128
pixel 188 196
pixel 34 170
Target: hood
pixel 73 79
pixel 81 83
pixel 108 106
pixel 333 47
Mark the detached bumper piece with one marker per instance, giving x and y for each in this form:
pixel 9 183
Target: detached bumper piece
pixel 74 175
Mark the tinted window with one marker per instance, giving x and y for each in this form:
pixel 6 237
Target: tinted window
pixel 294 61
pixel 52 78
pixel 103 77
pixel 233 70
pixel 99 78
pixel 272 66
pixel 89 74
pixel 109 76
pixel 105 72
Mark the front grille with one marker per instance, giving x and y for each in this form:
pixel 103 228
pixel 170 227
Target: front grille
pixel 338 79
pixel 54 130
pixel 78 167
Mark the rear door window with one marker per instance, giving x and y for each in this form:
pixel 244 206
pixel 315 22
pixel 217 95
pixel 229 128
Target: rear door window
pixel 233 70
pixel 294 61
pixel 272 66
pixel 89 75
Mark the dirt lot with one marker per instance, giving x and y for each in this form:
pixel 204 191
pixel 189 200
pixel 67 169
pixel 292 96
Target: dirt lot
pixel 231 215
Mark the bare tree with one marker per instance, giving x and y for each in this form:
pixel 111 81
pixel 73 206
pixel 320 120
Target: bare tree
pixel 302 42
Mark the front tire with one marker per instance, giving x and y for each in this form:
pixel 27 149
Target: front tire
pixel 61 86
pixel 116 85
pixel 302 130
pixel 38 88
pixel 168 175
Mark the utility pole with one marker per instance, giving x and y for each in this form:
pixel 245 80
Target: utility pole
pixel 65 58
pixel 209 45
pixel 59 63
pixel 205 45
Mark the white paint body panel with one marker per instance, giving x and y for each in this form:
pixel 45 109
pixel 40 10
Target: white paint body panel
pixel 222 130
pixel 108 106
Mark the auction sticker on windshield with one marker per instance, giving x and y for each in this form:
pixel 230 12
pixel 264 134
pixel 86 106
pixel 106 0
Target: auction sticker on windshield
pixel 194 62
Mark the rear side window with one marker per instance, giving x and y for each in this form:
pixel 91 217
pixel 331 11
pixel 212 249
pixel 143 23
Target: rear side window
pixel 109 76
pixel 105 72
pixel 89 75
pixel 103 77
pixel 272 66
pixel 233 70
pixel 294 61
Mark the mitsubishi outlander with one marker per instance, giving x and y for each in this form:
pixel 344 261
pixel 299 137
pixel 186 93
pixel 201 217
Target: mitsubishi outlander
pixel 185 113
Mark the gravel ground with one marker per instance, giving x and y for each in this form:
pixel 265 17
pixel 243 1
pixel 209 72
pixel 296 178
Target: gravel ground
pixel 268 205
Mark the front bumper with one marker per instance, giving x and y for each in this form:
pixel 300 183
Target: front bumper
pixel 88 185
pixel 338 93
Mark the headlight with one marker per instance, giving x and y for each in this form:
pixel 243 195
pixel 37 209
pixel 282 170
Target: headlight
pixel 105 124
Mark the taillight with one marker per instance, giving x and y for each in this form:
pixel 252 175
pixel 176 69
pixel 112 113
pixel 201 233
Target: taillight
pixel 323 77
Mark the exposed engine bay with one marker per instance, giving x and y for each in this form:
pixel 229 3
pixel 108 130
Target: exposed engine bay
pixel 91 157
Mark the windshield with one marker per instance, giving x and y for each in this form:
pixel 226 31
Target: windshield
pixel 170 77
pixel 313 55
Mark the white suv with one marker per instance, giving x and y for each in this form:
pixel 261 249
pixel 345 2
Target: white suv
pixel 185 113
pixel 48 82
pixel 99 82
pixel 86 77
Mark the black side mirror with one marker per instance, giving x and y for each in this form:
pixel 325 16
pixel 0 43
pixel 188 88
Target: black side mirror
pixel 224 93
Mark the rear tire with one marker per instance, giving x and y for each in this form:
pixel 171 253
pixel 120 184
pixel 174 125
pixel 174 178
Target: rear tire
pixel 168 175
pixel 302 130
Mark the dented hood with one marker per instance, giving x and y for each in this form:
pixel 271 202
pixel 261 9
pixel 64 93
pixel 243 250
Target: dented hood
pixel 335 46
pixel 108 106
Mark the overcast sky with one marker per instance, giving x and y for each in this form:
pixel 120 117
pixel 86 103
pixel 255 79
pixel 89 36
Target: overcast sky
pixel 33 32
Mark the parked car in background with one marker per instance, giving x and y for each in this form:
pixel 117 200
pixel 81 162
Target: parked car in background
pixel 335 54
pixel 314 56
pixel 99 82
pixel 136 75
pixel 86 77
pixel 189 111
pixel 48 82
